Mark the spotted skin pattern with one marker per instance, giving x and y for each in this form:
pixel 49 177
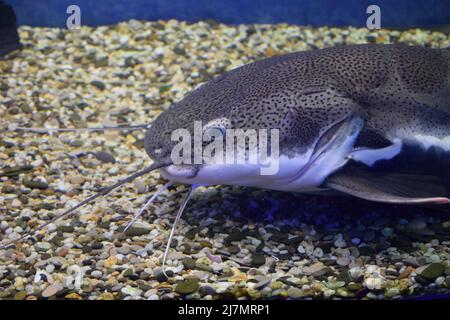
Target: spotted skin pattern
pixel 398 90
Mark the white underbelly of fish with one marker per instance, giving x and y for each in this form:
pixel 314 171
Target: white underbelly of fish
pixel 294 174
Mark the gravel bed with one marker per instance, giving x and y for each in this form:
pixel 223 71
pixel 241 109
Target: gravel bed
pixel 232 242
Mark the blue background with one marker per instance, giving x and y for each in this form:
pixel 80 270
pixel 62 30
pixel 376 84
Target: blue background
pixel 394 13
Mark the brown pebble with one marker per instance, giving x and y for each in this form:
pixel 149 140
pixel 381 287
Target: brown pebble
pixel 233 249
pixel 62 252
pixel 51 290
pixel 406 272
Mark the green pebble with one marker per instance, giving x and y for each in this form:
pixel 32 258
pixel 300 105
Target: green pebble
pixel 354 286
pixel 188 286
pixel 447 271
pixel 188 263
pixel 179 51
pixel 258 259
pixel 101 62
pixel 136 231
pixel 164 88
pixel 342 292
pixel 205 244
pixel 34 184
pixel 433 271
pixel 66 228
pixel 127 272
pixel 15 171
pixel 20 295
pixel 344 276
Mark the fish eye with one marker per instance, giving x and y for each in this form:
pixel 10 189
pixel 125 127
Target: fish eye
pixel 219 128
pixel 214 136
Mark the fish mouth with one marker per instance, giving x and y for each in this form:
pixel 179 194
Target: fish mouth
pixel 336 136
pixel 182 171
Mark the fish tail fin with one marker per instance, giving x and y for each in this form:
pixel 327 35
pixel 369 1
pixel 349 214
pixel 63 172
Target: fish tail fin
pixel 9 37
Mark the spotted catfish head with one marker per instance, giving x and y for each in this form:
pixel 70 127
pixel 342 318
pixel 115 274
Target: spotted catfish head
pixel 302 128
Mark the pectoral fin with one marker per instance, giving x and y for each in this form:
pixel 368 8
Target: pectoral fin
pixel 371 156
pixel 389 187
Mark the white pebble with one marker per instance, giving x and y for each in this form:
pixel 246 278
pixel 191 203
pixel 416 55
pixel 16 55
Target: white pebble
pixel 439 281
pixel 318 252
pixel 51 227
pixel 343 261
pixel 256 242
pixel 340 242
pixel 159 51
pixel 134 292
pixel 4 225
pixel 113 170
pixel 13 236
pixel 435 258
pixel 140 186
pixel 64 187
pixel 374 283
pixel 50 268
